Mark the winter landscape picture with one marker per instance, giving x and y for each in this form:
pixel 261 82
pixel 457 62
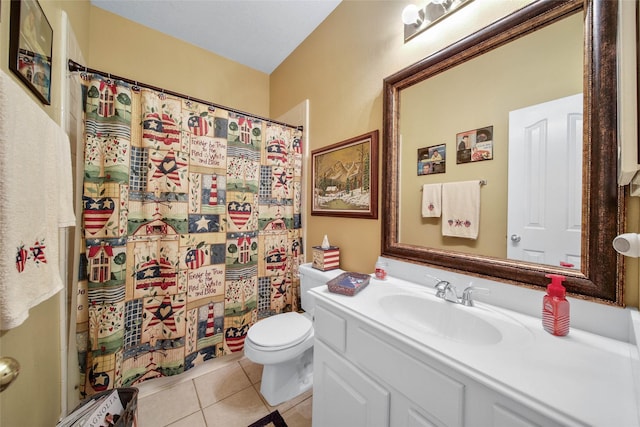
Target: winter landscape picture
pixel 344 180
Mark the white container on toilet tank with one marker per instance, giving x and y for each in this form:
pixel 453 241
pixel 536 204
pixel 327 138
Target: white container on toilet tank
pixel 284 343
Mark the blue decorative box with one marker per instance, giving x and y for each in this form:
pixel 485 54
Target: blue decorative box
pixel 348 283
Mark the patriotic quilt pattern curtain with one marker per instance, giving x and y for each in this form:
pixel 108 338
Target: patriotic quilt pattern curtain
pixel 192 231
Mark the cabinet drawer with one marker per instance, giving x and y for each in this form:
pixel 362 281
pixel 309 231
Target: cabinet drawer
pixel 330 328
pixel 502 417
pixel 507 413
pixel 440 396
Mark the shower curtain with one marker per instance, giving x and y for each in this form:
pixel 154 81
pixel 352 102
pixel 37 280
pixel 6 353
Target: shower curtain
pixel 192 231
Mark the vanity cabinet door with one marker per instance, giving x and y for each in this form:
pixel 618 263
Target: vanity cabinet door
pixel 405 413
pixel 344 396
pixel 437 392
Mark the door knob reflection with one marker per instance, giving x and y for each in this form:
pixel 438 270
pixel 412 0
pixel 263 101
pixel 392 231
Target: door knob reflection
pixel 9 370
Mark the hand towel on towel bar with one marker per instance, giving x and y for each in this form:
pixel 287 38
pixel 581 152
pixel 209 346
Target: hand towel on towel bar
pixel 35 200
pixel 461 209
pixel 431 200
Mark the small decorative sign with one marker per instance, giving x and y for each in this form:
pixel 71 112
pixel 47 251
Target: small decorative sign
pixel 474 145
pixel 432 159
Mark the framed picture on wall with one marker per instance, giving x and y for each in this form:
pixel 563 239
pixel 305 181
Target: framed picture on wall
pixel 432 159
pixel 344 177
pixel 474 145
pixel 31 47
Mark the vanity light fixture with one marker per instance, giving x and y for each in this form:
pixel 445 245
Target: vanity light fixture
pixel 416 19
pixel 412 15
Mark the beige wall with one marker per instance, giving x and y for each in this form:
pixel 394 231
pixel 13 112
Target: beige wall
pixel 340 68
pixel 126 49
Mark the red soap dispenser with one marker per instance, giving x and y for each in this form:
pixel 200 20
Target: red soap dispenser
pixel 555 307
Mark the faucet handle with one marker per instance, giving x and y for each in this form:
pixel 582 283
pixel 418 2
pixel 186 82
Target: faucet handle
pixel 441 288
pixel 466 294
pixel 440 284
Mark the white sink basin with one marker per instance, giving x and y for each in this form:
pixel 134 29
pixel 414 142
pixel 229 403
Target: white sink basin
pixel 469 325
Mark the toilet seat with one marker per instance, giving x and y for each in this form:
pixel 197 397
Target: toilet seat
pixel 280 331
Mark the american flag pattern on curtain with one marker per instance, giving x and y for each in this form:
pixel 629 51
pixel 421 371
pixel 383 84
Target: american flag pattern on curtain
pixel 192 232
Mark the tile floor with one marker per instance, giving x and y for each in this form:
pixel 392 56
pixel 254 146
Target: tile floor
pixel 220 392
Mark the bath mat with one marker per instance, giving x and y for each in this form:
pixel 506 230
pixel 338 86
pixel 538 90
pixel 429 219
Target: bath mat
pixel 274 419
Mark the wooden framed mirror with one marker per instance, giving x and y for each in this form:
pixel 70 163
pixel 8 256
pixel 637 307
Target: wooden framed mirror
pixel 599 275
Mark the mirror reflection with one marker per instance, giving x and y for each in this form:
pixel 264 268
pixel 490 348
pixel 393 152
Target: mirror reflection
pixel 456 109
pixel 537 125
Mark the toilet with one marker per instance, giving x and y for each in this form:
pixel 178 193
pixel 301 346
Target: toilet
pixel 283 343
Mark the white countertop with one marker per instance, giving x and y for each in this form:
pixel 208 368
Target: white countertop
pixel 583 378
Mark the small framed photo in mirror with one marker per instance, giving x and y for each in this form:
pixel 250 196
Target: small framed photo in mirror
pixel 432 159
pixel 474 145
pixel 31 47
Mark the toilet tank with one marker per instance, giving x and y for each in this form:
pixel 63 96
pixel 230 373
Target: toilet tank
pixel 310 278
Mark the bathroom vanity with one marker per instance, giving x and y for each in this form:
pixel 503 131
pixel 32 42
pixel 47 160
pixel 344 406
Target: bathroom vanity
pixel 395 355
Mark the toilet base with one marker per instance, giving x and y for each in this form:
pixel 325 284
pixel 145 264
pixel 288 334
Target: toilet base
pixel 284 381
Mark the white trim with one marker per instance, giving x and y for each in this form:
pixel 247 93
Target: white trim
pixel 299 116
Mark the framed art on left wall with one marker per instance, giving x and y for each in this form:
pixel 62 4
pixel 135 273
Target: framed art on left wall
pixel 345 178
pixel 31 47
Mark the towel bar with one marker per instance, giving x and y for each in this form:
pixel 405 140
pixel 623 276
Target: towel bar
pixel 482 182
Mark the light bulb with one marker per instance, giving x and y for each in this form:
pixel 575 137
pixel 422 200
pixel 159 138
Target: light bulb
pixel 411 15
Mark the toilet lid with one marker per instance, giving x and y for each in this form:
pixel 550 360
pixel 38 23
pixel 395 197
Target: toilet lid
pixel 281 330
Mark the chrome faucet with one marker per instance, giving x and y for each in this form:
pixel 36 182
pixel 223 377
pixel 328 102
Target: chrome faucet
pixel 440 288
pixel 448 292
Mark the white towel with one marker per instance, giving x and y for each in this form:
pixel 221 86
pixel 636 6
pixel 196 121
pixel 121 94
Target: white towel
pixel 35 200
pixel 431 200
pixel 461 209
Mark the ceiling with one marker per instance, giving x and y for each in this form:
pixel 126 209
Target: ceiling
pixel 257 33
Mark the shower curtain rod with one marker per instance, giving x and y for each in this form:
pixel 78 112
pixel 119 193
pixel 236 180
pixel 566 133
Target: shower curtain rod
pixel 74 66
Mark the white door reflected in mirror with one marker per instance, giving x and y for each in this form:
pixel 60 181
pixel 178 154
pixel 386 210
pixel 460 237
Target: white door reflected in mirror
pixel 545 183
